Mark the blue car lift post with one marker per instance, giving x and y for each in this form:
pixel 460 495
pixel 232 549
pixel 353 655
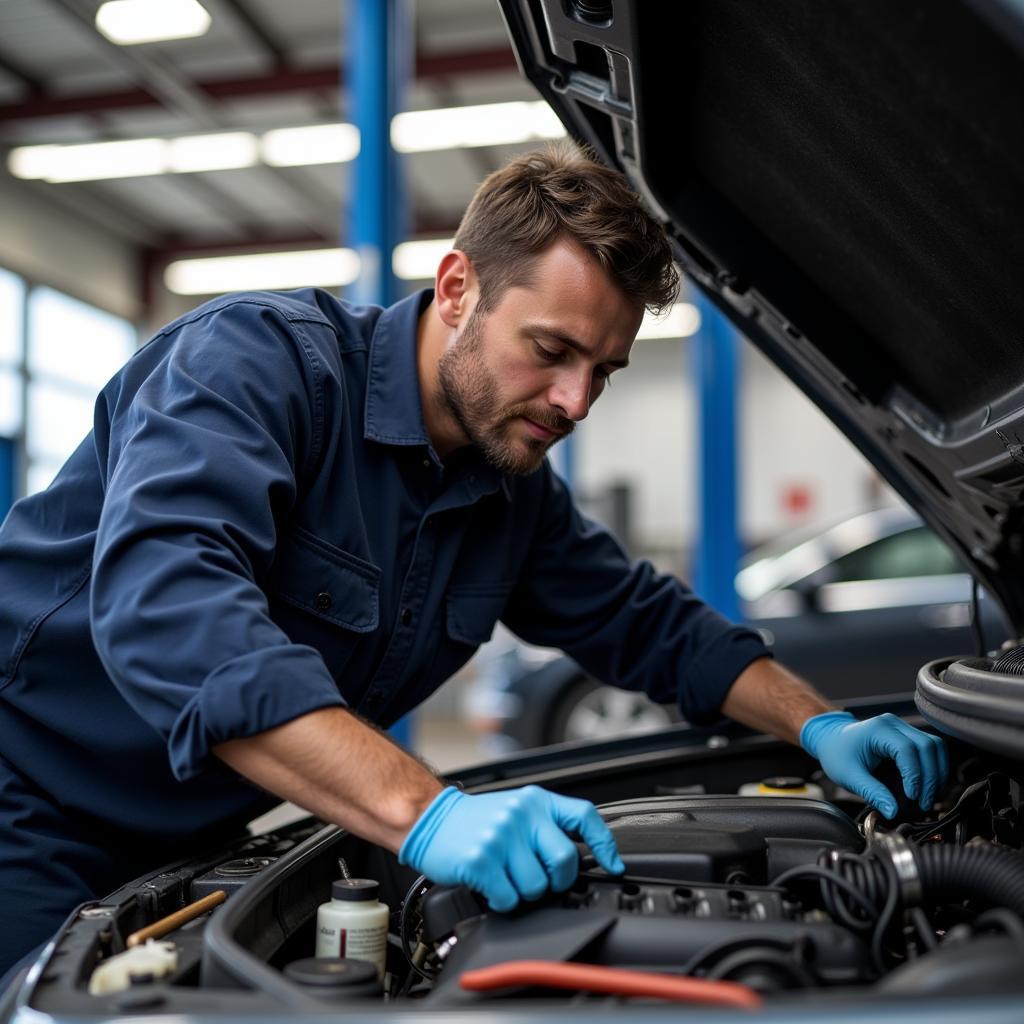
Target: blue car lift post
pixel 717 552
pixel 8 467
pixel 379 58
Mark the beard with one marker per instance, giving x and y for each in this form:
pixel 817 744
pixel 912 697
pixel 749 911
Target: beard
pixel 469 392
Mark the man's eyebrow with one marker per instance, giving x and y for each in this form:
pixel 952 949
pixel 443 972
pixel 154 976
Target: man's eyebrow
pixel 573 343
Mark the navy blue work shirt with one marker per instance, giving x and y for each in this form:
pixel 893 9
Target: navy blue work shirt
pixel 258 527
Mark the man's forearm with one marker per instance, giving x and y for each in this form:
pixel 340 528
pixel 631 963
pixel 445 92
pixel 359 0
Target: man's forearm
pixel 768 697
pixel 334 765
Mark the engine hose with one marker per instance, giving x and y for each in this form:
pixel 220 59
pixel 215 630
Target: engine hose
pixel 990 876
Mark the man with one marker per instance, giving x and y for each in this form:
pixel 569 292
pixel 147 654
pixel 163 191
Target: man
pixel 295 517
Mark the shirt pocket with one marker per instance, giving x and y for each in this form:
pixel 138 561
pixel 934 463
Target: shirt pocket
pixel 328 583
pixel 473 609
pixel 323 596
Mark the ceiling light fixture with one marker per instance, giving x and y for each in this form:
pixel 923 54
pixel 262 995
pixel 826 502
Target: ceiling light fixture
pixel 129 22
pixel 412 132
pixel 134 157
pixel 489 124
pixel 317 144
pixel 323 268
pixel 417 261
pixel 221 152
pixel 90 161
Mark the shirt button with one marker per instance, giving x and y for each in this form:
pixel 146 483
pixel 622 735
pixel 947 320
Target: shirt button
pixel 323 601
pixel 406 616
pixel 426 463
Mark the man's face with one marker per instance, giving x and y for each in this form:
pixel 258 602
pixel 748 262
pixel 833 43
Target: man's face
pixel 519 378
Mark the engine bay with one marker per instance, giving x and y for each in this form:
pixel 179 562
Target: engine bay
pixel 793 892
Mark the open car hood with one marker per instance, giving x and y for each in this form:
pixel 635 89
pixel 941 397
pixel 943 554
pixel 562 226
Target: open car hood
pixel 846 181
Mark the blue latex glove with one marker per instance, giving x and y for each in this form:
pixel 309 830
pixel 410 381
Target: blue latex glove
pixel 850 750
pixel 507 846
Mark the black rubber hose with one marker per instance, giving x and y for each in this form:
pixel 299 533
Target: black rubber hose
pixel 990 876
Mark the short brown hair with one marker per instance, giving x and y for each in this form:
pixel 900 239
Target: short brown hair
pixel 539 197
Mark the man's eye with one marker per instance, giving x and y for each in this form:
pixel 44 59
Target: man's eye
pixel 546 353
pixel 604 376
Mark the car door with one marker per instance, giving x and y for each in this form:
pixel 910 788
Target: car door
pixel 867 621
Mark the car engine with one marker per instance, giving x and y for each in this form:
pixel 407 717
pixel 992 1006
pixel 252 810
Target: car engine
pixel 735 895
pixel 775 895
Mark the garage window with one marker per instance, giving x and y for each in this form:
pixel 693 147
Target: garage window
pixel 56 353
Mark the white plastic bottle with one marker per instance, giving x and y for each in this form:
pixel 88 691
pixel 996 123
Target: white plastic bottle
pixel 353 923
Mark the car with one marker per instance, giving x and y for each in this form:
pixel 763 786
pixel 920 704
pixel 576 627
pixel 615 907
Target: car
pixel 856 608
pixel 845 181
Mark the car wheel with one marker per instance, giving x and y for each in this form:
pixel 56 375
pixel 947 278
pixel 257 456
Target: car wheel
pixel 589 710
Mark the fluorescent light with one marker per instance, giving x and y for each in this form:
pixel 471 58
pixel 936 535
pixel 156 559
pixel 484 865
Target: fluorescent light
pixel 682 320
pixel 127 22
pixel 488 124
pixel 317 144
pixel 221 152
pixel 325 268
pixel 134 157
pixel 90 161
pixel 417 261
pixel 186 153
pixel 418 131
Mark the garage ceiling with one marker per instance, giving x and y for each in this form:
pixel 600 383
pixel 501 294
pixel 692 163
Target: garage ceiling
pixel 262 65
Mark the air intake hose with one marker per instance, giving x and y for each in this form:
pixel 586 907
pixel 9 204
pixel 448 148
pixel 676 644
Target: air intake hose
pixel 990 876
pixel 1011 662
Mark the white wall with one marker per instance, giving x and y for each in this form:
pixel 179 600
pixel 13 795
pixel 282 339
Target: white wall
pixel 639 433
pixel 643 432
pixel 786 443
pixel 51 245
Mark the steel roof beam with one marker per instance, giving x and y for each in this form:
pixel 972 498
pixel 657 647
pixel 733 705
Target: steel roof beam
pixel 258 31
pixel 281 81
pixel 34 84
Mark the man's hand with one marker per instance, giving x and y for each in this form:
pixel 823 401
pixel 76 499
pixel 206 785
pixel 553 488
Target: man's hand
pixel 507 846
pixel 850 750
pixel 769 697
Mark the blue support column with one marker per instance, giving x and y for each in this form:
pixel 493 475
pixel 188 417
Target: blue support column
pixel 563 459
pixel 8 475
pixel 718 550
pixel 379 58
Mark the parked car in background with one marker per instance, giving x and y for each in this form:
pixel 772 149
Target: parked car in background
pixel 856 608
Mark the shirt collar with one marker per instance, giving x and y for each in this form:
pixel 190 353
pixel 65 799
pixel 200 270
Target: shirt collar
pixel 394 412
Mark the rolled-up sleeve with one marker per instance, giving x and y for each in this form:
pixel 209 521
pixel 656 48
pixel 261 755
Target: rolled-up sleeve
pixel 206 433
pixel 624 622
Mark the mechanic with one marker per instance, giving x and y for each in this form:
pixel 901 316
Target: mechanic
pixel 296 517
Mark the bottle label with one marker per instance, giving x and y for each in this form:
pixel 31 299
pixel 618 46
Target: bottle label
pixel 355 942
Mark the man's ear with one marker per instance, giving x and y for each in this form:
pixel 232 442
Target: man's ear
pixel 455 287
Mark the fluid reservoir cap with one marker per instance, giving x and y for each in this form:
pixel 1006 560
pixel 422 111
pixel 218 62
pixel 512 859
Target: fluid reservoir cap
pixel 243 867
pixel 334 972
pixel 783 782
pixel 354 889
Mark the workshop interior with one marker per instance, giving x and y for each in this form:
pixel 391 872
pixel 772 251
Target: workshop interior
pixel 824 435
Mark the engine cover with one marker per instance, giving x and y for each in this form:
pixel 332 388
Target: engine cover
pixel 724 838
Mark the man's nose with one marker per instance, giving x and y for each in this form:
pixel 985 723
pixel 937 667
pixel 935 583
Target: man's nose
pixel 571 395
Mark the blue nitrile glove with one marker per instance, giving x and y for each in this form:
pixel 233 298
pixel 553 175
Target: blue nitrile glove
pixel 507 846
pixel 850 750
